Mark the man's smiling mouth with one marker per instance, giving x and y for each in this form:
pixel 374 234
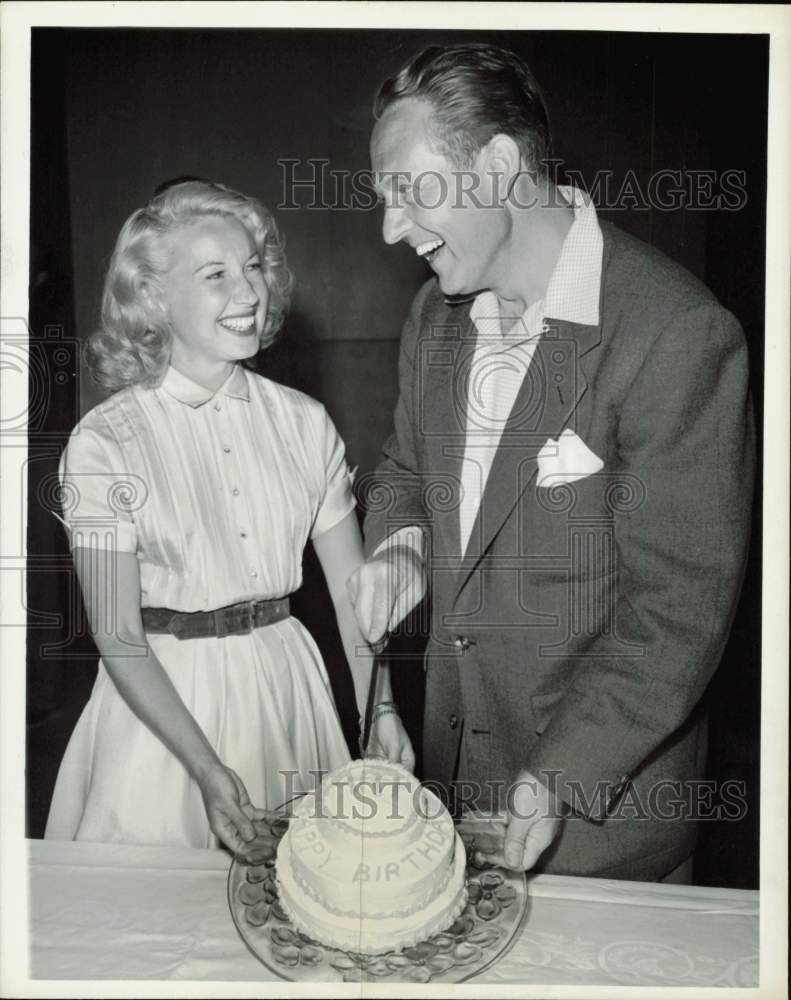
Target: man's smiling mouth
pixel 429 249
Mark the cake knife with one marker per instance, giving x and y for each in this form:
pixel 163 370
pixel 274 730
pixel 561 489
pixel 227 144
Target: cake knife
pixel 378 649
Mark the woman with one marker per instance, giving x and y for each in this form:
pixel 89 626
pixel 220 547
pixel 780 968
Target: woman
pixel 189 495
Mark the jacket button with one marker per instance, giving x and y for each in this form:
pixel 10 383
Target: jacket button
pixel 462 643
pixel 453 722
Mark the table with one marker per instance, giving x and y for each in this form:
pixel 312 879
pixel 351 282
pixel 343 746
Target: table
pixel 109 911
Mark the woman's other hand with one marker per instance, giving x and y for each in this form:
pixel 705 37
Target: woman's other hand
pixel 389 739
pixel 228 807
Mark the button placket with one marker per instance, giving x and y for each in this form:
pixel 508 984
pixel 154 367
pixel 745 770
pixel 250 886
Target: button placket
pixel 236 492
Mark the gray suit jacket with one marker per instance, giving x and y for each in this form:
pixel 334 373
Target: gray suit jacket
pixel 577 634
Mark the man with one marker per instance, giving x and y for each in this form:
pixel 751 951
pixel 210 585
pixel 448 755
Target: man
pixel 571 469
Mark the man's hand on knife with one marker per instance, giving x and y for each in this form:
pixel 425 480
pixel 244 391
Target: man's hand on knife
pixel 385 589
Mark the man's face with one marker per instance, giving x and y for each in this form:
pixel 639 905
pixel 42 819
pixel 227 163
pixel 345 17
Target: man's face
pixel 446 215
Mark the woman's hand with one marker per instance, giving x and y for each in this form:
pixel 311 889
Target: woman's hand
pixel 340 553
pixel 389 739
pixel 229 808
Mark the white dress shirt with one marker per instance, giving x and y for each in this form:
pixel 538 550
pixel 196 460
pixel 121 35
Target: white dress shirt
pixel 501 360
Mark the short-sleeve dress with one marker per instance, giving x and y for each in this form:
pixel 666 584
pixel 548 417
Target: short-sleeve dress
pixel 217 494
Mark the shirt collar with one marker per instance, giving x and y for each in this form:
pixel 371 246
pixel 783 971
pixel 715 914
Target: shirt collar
pixel 573 290
pixel 185 390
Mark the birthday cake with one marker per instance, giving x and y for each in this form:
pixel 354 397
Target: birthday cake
pixel 371 861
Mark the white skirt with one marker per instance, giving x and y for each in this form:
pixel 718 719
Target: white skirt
pixel 265 704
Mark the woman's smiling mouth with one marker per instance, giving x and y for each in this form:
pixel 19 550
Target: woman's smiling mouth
pixel 238 324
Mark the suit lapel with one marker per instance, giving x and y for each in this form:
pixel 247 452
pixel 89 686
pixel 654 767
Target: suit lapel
pixel 545 404
pixel 443 369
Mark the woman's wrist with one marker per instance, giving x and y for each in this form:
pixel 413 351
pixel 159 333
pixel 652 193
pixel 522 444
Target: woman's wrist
pixel 380 708
pixel 202 766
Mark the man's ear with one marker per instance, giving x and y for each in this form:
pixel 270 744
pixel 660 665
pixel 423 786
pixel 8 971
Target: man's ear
pixel 503 163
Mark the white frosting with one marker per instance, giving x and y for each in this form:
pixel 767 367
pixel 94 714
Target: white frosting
pixel 372 863
pixel 363 799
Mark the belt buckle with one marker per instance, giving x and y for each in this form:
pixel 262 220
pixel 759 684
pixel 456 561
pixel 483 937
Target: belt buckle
pixel 176 625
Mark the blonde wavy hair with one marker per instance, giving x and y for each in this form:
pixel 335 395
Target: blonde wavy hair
pixel 132 345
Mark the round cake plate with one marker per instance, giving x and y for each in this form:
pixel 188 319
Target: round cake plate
pixel 485 931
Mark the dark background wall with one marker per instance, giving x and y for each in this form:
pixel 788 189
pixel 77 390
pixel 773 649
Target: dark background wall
pixel 114 113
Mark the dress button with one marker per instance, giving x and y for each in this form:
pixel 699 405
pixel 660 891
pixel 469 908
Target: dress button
pixel 217 407
pixel 453 721
pixel 253 574
pixel 243 534
pixel 235 491
pixel 227 450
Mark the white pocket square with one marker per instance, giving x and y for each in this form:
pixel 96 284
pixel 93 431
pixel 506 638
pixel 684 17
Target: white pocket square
pixel 565 459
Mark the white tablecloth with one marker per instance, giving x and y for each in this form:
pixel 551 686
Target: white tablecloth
pixel 104 911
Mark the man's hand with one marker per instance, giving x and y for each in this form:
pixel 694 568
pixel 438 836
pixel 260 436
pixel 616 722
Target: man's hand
pixel 533 819
pixel 385 589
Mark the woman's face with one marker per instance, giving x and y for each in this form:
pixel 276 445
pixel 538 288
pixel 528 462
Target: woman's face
pixel 215 294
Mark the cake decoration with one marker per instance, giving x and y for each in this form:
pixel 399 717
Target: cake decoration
pixel 371 861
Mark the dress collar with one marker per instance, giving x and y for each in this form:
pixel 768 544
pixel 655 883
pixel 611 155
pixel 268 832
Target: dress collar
pixel 185 390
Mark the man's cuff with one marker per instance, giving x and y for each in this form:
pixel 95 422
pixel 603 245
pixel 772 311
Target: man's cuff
pixel 412 537
pixel 587 795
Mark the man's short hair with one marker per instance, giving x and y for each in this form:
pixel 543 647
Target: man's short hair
pixel 475 91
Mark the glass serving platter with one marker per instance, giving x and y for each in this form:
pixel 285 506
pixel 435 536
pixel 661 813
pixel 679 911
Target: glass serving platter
pixel 490 923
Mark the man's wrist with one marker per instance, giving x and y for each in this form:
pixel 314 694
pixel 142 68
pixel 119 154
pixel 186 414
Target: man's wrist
pixel 553 803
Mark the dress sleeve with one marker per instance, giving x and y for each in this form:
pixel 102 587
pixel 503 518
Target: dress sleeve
pixel 338 499
pixel 98 497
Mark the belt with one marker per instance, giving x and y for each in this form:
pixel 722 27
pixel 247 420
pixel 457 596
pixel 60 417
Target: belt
pixel 236 619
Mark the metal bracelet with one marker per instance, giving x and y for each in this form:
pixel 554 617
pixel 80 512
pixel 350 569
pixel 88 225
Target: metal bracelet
pixel 381 708
pixel 385 710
